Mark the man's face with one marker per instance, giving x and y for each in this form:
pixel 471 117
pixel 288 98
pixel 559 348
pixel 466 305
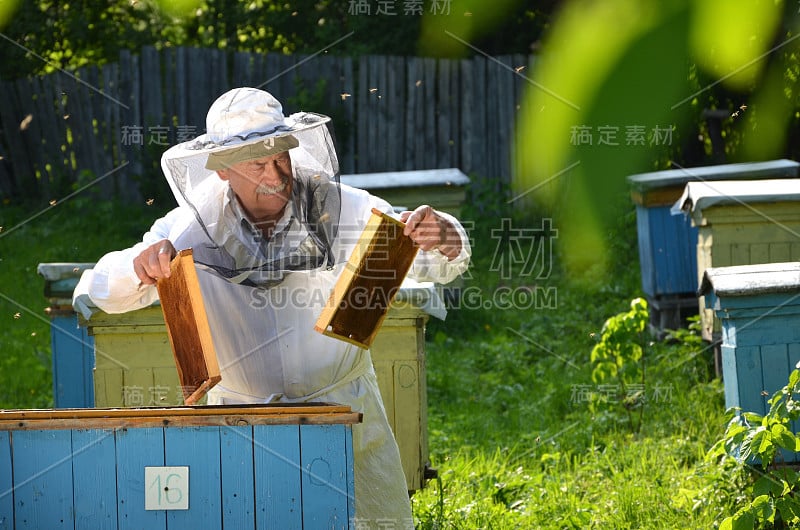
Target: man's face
pixel 263 185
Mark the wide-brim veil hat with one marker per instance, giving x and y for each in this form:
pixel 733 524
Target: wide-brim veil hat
pixel 248 123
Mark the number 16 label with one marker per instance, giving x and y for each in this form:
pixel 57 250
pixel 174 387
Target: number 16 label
pixel 166 488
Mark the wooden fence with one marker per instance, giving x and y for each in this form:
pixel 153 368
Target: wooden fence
pixel 62 131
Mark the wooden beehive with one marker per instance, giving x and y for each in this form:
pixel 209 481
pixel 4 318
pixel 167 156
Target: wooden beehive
pixel 187 327
pixel 668 243
pixel 742 223
pixel 245 467
pixel 362 294
pixel 759 310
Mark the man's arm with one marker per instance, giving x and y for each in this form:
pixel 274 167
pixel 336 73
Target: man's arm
pixel 443 241
pixel 124 280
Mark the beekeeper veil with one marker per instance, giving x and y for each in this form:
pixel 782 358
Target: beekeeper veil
pixel 247 124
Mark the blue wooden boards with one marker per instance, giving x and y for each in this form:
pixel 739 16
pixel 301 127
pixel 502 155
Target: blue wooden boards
pixel 77 473
pixel 759 308
pixel 73 362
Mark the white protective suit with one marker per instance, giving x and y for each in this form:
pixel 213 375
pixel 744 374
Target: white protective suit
pixel 264 335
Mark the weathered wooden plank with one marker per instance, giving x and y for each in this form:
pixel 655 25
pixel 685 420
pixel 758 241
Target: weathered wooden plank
pixel 395 102
pixel 53 132
pixel 152 108
pixel 324 478
pixel 412 103
pixel 242 69
pixel 137 449
pixel 443 114
pixel 480 137
pixel 93 467
pixel 348 102
pixel 108 133
pixel 382 144
pixel 34 133
pixel 6 483
pixel 238 485
pixel 277 477
pixel 22 128
pixel 362 115
pixel 465 133
pixel 505 113
pixel 218 74
pixel 453 149
pixel 81 128
pixel 181 87
pixel 198 448
pixel 131 125
pixel 198 88
pixel 299 413
pixel 12 114
pixel 42 480
pixel 493 126
pixel 285 77
pixel 428 124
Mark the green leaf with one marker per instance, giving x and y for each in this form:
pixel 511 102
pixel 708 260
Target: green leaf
pixel 784 437
pixel 743 521
pixel 768 485
pixel 794 378
pixel 789 509
pixel 763 508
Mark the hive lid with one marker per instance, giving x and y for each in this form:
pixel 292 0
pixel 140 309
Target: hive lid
pixel 361 297
pixel 188 330
pixel 407 179
pixel 772 169
pixel 698 196
pixel 748 280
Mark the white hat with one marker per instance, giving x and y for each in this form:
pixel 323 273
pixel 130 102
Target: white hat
pixel 244 124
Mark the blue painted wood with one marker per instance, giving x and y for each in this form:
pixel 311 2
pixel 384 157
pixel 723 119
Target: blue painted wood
pixel 236 462
pixel 351 478
pixel 73 362
pixel 748 374
pixel 137 448
pixel 278 473
pixel 94 470
pixel 324 476
pixel 198 448
pixel 775 360
pixel 6 483
pixel 793 354
pixel 43 493
pixel 667 252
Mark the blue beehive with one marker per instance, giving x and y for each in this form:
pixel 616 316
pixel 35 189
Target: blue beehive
pixel 668 244
pixel 72 347
pixel 759 308
pixel 267 466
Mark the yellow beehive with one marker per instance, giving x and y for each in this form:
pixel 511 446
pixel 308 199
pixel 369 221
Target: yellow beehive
pixel 742 223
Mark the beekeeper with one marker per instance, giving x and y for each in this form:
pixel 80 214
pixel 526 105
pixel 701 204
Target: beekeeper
pixel 271 229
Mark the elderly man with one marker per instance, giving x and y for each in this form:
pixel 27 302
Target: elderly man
pixel 271 229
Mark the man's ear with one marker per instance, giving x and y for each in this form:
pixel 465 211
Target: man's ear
pixel 223 174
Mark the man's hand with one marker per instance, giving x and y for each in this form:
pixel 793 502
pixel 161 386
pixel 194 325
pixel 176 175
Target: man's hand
pixel 432 231
pixel 153 262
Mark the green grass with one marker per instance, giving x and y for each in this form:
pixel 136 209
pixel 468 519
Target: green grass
pixel 515 442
